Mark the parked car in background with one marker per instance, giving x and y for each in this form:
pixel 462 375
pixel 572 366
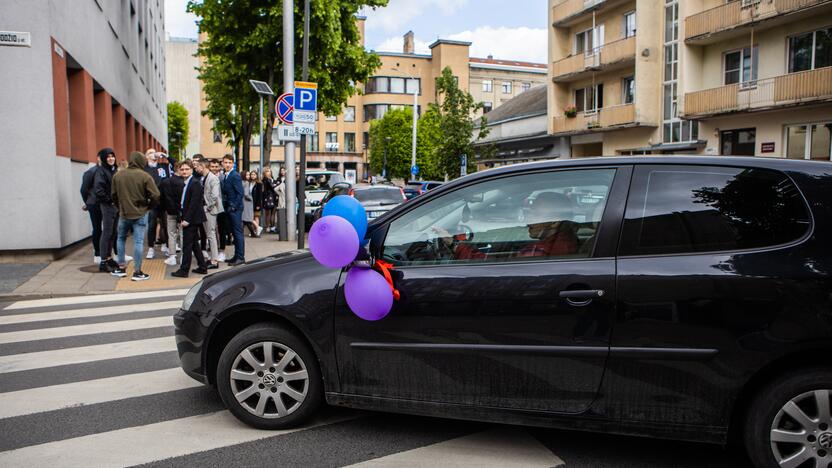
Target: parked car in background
pixel 377 199
pixel 317 185
pixel 417 187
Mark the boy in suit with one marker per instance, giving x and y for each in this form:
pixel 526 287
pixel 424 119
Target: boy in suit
pixel 192 217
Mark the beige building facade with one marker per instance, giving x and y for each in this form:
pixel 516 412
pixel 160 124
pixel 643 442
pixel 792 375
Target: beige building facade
pixel 181 74
pixel 743 77
pixel 341 142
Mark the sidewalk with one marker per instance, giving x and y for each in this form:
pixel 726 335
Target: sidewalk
pixel 76 274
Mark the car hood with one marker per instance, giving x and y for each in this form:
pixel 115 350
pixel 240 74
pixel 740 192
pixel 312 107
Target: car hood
pixel 253 266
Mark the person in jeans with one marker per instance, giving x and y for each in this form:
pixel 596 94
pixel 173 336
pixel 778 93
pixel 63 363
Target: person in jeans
pixel 102 186
pixel 155 216
pixel 171 193
pixel 232 200
pixel 192 216
pixel 134 192
pixel 213 206
pixel 93 210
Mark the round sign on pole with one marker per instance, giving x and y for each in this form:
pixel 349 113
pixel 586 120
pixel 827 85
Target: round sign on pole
pixel 414 170
pixel 284 107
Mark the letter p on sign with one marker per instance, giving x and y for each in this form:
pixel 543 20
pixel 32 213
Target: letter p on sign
pixel 306 97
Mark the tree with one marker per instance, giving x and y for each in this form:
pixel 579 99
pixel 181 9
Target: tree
pixel 391 134
pixel 453 110
pixel 177 127
pixel 242 43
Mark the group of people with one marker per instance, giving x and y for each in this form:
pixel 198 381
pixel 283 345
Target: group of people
pixel 196 206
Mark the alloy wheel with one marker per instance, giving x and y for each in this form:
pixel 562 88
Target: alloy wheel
pixel 269 380
pixel 801 433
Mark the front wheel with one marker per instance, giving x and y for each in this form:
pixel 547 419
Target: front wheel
pixel 269 378
pixel 789 424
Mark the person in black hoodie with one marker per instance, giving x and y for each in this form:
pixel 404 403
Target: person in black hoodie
pixel 91 207
pixel 171 190
pixel 101 188
pixel 192 217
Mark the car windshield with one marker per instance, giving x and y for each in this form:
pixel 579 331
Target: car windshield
pixel 322 181
pixel 378 195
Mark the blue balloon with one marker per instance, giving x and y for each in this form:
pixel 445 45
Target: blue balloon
pixel 350 209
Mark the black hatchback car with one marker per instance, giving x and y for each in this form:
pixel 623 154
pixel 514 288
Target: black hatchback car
pixel 677 297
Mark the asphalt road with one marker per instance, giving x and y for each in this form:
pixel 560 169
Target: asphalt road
pixel 95 381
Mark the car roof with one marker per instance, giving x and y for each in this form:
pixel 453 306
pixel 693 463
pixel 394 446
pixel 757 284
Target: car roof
pixel 369 186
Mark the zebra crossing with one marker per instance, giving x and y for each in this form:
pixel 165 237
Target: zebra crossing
pixel 95 381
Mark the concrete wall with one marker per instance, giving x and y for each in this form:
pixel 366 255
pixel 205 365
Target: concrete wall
pixel 183 84
pixel 496 97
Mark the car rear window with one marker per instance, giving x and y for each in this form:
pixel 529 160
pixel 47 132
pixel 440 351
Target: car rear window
pixel 379 195
pixel 689 209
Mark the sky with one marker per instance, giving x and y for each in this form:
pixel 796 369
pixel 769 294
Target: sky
pixel 509 30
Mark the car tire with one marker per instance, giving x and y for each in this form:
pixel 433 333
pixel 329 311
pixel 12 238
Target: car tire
pixel 253 391
pixel 802 393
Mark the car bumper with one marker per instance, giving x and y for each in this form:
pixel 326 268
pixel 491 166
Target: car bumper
pixel 190 337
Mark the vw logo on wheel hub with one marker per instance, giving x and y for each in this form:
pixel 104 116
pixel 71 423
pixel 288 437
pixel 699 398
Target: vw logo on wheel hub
pixel 269 379
pixel 825 440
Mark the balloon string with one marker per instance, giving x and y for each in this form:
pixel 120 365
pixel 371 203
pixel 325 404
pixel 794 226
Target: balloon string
pixel 385 268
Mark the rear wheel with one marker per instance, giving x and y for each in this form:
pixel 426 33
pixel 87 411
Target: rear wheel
pixel 789 424
pixel 269 378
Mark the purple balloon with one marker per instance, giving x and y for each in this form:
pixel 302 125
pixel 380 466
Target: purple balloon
pixel 333 241
pixel 368 294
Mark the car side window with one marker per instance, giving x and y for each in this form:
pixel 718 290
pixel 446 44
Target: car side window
pixel 548 215
pixel 692 209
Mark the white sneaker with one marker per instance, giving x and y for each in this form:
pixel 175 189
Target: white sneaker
pixel 127 258
pixel 165 249
pixel 96 260
pixel 178 248
pixel 221 257
pixel 150 253
pixel 171 260
pixel 259 230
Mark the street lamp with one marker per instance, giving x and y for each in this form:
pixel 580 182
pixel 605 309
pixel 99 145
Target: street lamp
pixel 262 89
pixel 415 106
pixel 384 166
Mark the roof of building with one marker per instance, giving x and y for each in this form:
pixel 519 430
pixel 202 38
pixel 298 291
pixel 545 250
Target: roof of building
pixel 181 39
pixel 529 104
pixel 448 41
pixel 509 63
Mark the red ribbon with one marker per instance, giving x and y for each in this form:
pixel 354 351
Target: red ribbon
pixel 384 268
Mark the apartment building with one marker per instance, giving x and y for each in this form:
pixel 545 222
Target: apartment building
pixel 85 74
pixel 341 142
pixel 743 77
pixel 181 76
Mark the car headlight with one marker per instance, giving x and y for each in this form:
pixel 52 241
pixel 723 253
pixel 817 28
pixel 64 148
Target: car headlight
pixel 191 296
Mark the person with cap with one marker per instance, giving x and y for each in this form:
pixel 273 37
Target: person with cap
pixel 134 192
pixel 101 187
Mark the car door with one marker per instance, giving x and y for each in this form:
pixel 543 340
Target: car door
pixel 492 312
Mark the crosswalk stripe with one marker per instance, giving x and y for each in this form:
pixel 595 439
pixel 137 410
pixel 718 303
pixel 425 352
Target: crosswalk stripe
pixel 150 443
pixel 99 311
pixel 499 447
pixel 88 392
pixel 75 300
pixel 80 330
pixel 62 357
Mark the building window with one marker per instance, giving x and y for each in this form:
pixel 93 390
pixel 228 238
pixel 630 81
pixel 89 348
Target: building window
pixel 589 99
pixel 374 111
pixel 588 41
pixel 674 129
pixel 392 84
pixel 486 86
pixel 397 85
pixel 741 65
pixel 630 24
pixel 741 142
pixel 349 142
pixel 312 143
pixel 331 118
pixel 526 86
pixel 810 51
pixel 628 90
pixel 413 86
pixel 349 114
pixel 809 141
pixel 506 87
pixel 331 141
pixel 365 140
pixel 487 106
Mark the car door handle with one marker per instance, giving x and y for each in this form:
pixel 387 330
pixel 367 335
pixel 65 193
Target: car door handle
pixel 582 294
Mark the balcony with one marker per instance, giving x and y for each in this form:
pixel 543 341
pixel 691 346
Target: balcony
pixel 811 86
pixel 569 12
pixel 611 56
pixel 722 22
pixel 607 118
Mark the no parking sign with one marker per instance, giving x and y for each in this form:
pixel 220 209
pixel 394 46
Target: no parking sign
pixel 285 108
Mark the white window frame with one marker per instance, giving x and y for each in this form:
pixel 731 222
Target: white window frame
pixel 814 33
pixel 625 28
pixel 587 110
pixel 588 38
pixel 807 143
pixel 508 87
pixel 624 89
pixel 487 86
pixel 755 66
pixel 345 114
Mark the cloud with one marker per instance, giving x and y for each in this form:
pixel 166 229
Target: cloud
pixel 524 44
pixel 178 22
pixel 399 13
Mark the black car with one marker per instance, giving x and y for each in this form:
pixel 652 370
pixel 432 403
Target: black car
pixel 415 188
pixel 377 199
pixel 676 297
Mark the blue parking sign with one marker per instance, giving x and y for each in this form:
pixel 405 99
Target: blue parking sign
pixel 306 98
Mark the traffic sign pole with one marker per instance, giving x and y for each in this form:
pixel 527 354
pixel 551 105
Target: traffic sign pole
pixel 302 194
pixel 289 82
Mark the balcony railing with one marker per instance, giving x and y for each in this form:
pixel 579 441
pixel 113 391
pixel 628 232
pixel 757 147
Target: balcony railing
pixel 791 89
pixel 597 59
pixel 601 119
pixel 740 12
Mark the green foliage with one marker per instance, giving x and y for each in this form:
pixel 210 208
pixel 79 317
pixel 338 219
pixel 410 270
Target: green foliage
pixel 177 125
pixel 453 115
pixel 393 134
pixel 428 140
pixel 242 44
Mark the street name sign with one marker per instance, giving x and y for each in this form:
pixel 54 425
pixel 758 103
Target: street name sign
pixel 11 38
pixel 284 107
